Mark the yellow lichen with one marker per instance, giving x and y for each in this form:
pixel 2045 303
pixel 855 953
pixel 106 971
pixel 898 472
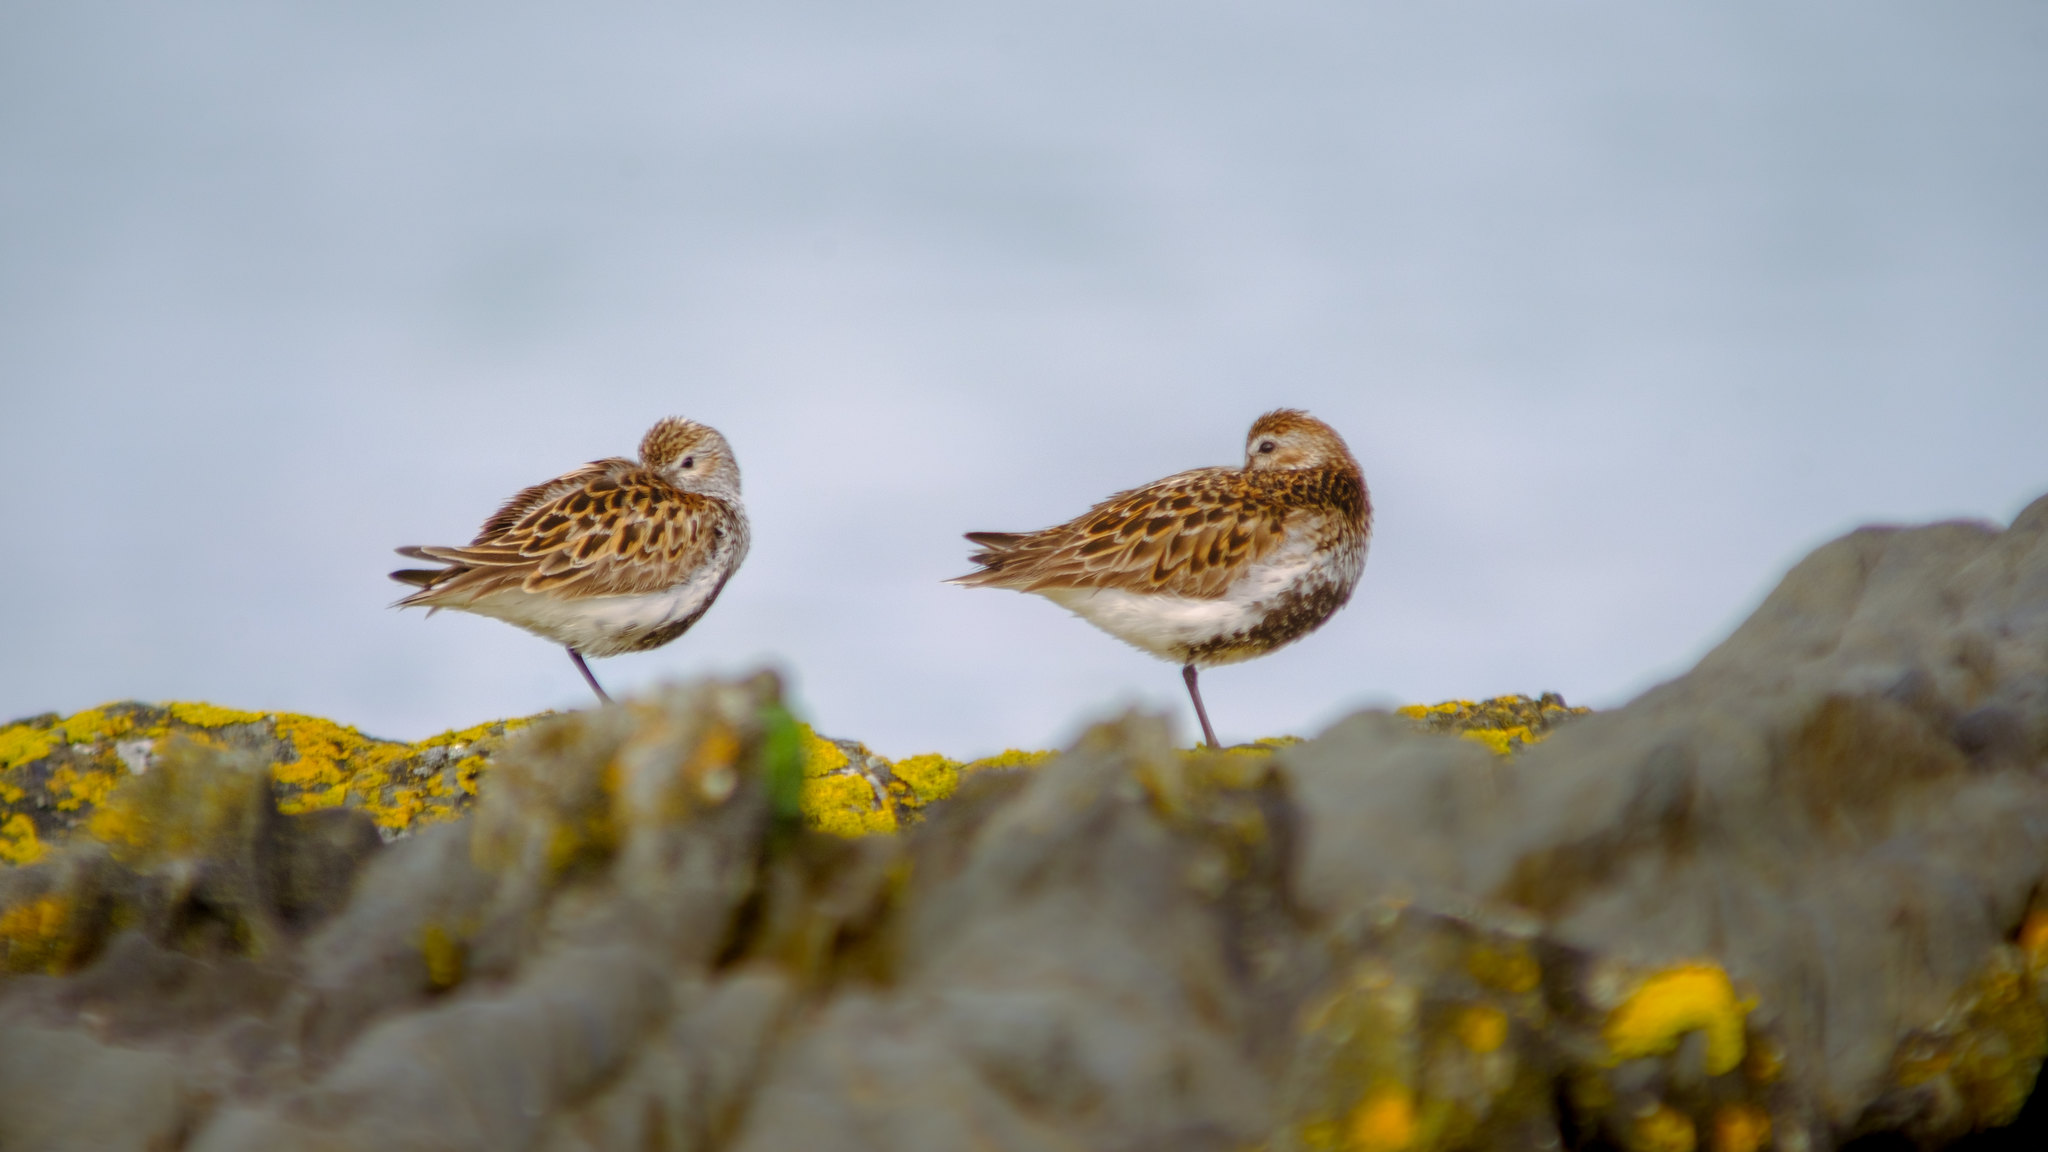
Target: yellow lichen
pixel 202 715
pixel 1510 968
pixel 444 956
pixel 1920 1061
pixel 1384 1120
pixel 1360 1081
pixel 1482 1028
pixel 927 777
pixel 477 732
pixel 1500 741
pixel 1007 758
pixel 587 830
pixel 32 935
pixel 315 763
pixel 19 843
pixel 106 722
pixel 329 757
pixel 1993 1047
pixel 74 789
pixel 837 796
pixel 1424 711
pixel 1503 724
pixel 2033 939
pixel 1667 1005
pixel 184 808
pixel 840 797
pixel 821 756
pixel 468 771
pixel 21 744
pixel 845 806
pixel 1663 1129
pixel 1741 1128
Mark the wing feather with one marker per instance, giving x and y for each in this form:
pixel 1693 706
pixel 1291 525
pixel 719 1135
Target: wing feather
pixel 611 528
pixel 515 509
pixel 1189 535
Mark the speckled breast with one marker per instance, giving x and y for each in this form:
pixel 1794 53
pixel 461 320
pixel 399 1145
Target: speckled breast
pixel 1293 612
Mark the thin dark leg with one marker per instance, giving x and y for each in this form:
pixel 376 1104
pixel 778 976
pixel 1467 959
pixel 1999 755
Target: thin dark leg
pixel 594 685
pixel 1187 673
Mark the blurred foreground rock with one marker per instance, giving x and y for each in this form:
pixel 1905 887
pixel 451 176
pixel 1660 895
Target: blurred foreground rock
pixel 1790 898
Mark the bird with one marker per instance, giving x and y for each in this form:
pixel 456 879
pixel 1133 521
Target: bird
pixel 617 556
pixel 1210 566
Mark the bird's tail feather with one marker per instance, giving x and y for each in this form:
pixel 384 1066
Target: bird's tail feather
pixel 994 551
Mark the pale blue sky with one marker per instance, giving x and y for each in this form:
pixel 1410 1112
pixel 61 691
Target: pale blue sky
pixel 1623 307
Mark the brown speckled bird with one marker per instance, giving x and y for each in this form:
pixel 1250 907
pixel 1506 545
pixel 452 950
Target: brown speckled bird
pixel 1211 566
pixel 618 556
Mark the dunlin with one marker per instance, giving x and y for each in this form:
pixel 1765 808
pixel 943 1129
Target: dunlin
pixel 618 556
pixel 1211 566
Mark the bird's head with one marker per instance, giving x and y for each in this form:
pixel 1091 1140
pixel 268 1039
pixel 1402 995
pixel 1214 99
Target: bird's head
pixel 692 456
pixel 1291 438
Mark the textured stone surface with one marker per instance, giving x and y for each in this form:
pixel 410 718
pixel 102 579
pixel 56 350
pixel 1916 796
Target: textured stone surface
pixel 1786 899
pixel 56 770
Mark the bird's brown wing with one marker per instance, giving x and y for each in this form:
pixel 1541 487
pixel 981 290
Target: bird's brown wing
pixel 1187 535
pixel 614 532
pixel 528 499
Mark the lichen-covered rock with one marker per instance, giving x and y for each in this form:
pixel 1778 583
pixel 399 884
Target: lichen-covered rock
pixel 1842 811
pixel 1505 723
pixel 55 770
pixel 1789 898
pixel 849 790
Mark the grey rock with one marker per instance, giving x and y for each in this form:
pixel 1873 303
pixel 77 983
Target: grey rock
pixel 1787 898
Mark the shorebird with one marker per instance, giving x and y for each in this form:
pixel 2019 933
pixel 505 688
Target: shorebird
pixel 1211 566
pixel 618 556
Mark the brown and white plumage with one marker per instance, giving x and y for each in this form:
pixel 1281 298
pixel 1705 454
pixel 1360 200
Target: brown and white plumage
pixel 617 556
pixel 1210 566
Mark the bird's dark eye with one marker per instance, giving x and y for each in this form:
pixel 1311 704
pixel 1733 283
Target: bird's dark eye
pixel 1267 446
pixel 689 460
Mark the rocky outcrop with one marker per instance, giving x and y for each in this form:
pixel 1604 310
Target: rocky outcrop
pixel 55 770
pixel 1784 900
pixel 1832 831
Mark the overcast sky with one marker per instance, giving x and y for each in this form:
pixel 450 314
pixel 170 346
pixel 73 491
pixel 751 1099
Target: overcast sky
pixel 1624 307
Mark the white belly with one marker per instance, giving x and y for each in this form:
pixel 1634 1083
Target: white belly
pixel 599 625
pixel 1171 627
pixel 1165 626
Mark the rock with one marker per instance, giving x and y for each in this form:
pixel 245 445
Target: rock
pixel 54 771
pixel 68 1090
pixel 1785 900
pixel 1815 810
